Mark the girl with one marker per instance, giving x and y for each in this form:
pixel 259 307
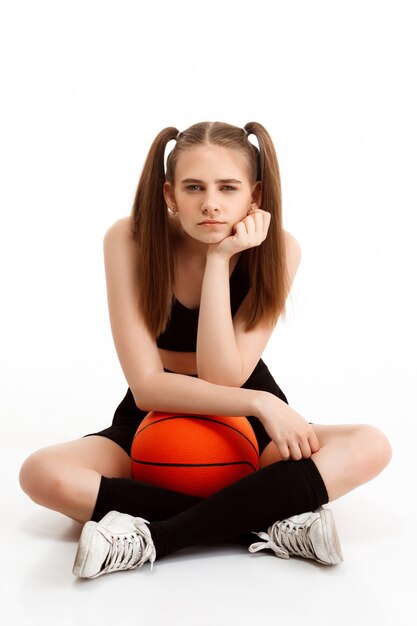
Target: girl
pixel 197 278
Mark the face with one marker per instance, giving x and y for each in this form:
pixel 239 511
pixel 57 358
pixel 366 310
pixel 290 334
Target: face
pixel 212 192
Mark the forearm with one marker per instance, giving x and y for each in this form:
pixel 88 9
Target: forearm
pixel 218 358
pixel 163 391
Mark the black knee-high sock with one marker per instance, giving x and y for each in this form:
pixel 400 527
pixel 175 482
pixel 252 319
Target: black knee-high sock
pixel 275 492
pixel 251 504
pixel 144 500
pixel 127 495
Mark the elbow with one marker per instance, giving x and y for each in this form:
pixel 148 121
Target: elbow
pixel 225 372
pixel 144 393
pixel 142 402
pixel 222 378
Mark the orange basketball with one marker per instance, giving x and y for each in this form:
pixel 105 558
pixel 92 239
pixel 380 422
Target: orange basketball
pixel 194 454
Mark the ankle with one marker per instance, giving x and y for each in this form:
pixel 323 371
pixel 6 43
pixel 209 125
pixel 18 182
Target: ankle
pixel 159 535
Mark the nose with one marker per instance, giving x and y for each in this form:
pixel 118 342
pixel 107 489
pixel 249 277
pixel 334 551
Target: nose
pixel 210 210
pixel 209 206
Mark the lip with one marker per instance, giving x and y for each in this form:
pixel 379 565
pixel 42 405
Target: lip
pixel 210 223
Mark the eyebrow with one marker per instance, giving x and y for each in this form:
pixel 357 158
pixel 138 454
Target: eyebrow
pixel 221 180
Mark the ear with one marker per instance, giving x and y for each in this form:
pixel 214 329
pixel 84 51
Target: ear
pixel 169 194
pixel 257 193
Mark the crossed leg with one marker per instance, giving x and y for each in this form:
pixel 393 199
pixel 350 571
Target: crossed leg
pixel 349 456
pixel 66 477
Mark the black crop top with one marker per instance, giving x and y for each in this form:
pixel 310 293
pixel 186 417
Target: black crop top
pixel 180 334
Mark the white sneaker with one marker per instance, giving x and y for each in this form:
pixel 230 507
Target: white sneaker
pixel 117 542
pixel 310 535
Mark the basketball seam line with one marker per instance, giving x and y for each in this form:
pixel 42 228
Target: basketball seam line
pixel 207 419
pixel 194 464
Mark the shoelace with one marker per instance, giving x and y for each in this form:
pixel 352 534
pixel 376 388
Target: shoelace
pixel 285 538
pixel 131 550
pixel 268 543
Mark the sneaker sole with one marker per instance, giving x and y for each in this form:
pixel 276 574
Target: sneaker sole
pixel 330 536
pixel 83 549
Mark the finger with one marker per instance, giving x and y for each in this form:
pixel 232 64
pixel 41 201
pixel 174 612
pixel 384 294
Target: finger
pixel 266 222
pixel 257 210
pixel 295 451
pixel 262 220
pixel 250 223
pixel 314 442
pixel 241 231
pixel 264 225
pixel 240 226
pixel 306 450
pixel 255 226
pixel 284 451
pixel 246 231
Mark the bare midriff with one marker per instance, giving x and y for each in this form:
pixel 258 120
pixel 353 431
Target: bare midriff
pixel 179 362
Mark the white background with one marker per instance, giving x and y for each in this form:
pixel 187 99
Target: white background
pixel 86 87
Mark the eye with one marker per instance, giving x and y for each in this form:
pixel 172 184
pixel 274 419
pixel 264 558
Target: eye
pixel 229 188
pixel 193 187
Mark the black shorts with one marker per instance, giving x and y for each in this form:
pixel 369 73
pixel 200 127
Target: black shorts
pixel 128 416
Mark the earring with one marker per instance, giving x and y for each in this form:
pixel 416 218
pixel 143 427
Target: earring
pixel 172 210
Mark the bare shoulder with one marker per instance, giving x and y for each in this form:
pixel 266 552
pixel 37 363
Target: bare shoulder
pixel 293 254
pixel 119 230
pixel 119 243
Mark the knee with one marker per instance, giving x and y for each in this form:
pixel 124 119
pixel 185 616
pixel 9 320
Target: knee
pixel 373 449
pixel 38 476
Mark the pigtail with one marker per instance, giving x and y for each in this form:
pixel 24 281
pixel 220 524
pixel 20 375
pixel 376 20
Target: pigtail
pixel 267 263
pixel 150 226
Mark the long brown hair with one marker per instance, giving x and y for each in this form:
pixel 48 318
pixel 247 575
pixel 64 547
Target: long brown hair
pixel 265 265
